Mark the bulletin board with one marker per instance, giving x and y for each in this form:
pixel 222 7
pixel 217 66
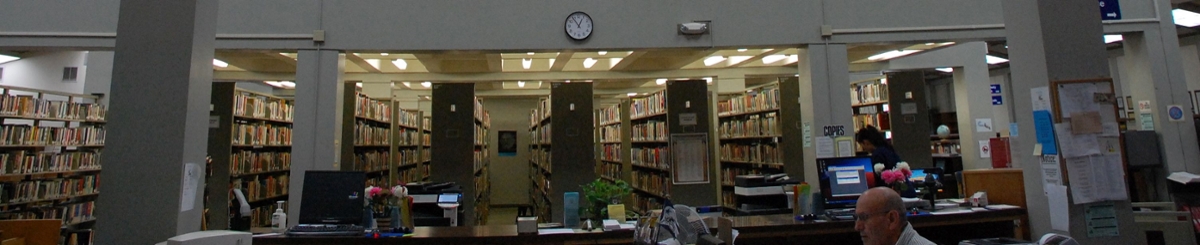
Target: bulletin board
pixel 1089 139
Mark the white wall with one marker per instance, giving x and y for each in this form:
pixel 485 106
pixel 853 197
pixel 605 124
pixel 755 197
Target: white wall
pixel 1190 55
pixel 44 71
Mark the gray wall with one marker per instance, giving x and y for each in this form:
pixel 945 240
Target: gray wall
pixel 44 71
pixel 99 69
pixel 511 115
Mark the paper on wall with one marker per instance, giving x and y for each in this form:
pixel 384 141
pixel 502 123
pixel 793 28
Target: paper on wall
pixel 1076 145
pixel 1077 97
pixel 1086 123
pixel 191 181
pixel 1096 178
pixel 1059 213
pixel 825 148
pixel 1051 172
pixel 985 149
pixel 845 148
pixel 1040 97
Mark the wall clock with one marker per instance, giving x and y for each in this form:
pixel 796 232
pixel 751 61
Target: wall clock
pixel 578 26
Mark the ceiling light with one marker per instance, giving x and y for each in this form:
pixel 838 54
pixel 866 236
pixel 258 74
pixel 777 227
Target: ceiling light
pixel 526 63
pixel 407 84
pixel 738 59
pixel 992 60
pixel 426 84
pixel 589 62
pixel 793 58
pixel 521 84
pixel 551 64
pixel 742 50
pixel 929 44
pixel 567 81
pixel 660 81
pixel 530 53
pixel 708 80
pixel 946 43
pixel 629 53
pixel 945 69
pixel 288 84
pixel 6 59
pixel 1186 18
pixel 884 80
pixel 1113 38
pixel 797 75
pixel 891 54
pixel 383 54
pixel 773 58
pixel 631 94
pixel 767 50
pixel 602 52
pixel 400 63
pixel 216 62
pixel 713 60
pixel 359 85
pixel 612 62
pixel 374 63
pixel 273 83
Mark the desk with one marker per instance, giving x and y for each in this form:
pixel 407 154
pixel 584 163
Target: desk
pixel 766 229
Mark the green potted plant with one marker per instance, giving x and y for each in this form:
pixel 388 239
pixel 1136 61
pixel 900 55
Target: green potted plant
pixel 601 193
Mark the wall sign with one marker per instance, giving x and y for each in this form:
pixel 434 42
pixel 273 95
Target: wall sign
pixel 835 131
pixel 1110 10
pixel 997 100
pixel 1175 113
pixel 995 88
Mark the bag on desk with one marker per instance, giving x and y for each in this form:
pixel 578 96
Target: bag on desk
pixel 677 224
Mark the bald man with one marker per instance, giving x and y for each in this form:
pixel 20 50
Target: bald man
pixel 881 219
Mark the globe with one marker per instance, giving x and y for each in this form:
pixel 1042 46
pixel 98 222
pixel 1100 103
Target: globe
pixel 943 131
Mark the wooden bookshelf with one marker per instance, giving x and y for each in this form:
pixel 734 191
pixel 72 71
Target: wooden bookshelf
pixel 539 161
pixel 35 168
pixel 869 100
pixel 613 160
pixel 563 136
pixel 250 148
pixel 374 132
pixel 410 143
pixel 482 164
pixel 459 153
pixel 653 119
pixel 754 138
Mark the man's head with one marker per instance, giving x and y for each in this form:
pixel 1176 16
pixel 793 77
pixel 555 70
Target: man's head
pixel 880 216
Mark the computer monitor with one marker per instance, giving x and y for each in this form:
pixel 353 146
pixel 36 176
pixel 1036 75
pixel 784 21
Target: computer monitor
pixel 332 197
pixel 844 179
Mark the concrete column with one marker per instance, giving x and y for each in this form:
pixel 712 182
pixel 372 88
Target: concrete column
pixel 1055 41
pixel 1189 55
pixel 824 72
pixel 1156 74
pixel 158 121
pixel 318 120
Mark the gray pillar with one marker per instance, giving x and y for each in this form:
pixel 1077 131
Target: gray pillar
pixel 1055 41
pixel 824 72
pixel 1156 74
pixel 158 120
pixel 318 120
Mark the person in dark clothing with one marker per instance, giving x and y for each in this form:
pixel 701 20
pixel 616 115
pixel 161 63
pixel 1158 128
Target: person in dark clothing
pixel 871 140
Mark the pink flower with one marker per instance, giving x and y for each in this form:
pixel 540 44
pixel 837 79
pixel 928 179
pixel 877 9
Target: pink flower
pixel 890 176
pixel 907 172
pixel 374 192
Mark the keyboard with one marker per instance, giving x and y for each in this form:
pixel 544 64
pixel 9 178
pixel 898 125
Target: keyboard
pixel 326 230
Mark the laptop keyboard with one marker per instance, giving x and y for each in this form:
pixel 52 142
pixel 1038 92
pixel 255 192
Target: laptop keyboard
pixel 326 230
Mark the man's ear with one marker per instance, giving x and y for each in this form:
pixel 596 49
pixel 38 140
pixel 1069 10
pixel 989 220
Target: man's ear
pixel 894 219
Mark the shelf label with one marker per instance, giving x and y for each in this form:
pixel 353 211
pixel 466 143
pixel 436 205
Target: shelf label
pixel 687 119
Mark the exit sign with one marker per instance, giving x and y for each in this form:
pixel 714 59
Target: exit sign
pixel 1110 10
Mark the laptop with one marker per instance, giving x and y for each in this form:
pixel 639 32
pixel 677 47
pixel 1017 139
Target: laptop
pixel 331 204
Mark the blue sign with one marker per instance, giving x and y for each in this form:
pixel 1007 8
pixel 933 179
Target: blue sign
pixel 1043 127
pixel 1110 10
pixel 1175 112
pixel 995 88
pixel 997 100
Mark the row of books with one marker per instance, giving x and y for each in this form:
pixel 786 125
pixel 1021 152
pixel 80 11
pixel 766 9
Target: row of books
pixel 260 187
pixel 610 152
pixel 71 213
pixel 881 121
pixel 29 106
pixel 610 133
pixel 655 157
pixel 261 134
pixel 481 159
pixel 610 169
pixel 374 160
pixel 408 118
pixel 261 216
pixel 30 162
pixel 380 180
pixel 248 162
pixel 425 123
pixel 372 109
pixel 541 158
pixel 728 199
pixel 481 135
pixel 425 139
pixel 645 204
pixel 759 100
pixel 872 92
pixel 409 175
pixel 608 115
pixel 728 175
pixel 409 156
pixel 369 134
pixel 754 125
pixel 756 153
pixel 36 136
pixel 542 134
pixel 247 104
pixel 654 104
pixel 37 190
pixel 425 154
pixel 947 148
pixel 481 114
pixel 409 137
pixel 655 182
pixel 650 131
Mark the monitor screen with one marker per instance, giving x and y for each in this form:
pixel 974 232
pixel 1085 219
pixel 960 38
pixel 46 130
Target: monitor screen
pixel 332 197
pixel 918 175
pixel 844 179
pixel 448 197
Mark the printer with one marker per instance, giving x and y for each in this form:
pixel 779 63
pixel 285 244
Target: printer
pixel 436 204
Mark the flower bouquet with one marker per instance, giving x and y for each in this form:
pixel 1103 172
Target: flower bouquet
pixel 897 178
pixel 384 205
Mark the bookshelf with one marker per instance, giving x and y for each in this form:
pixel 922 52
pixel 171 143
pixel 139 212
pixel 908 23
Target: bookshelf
pixel 409 146
pixel 612 148
pixel 50 156
pixel 422 172
pixel 757 136
pixel 563 131
pixel 482 163
pixel 458 136
pixel 539 161
pixel 373 138
pixel 250 150
pixel 653 119
pixel 869 100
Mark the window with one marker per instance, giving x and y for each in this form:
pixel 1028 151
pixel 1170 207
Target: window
pixel 70 74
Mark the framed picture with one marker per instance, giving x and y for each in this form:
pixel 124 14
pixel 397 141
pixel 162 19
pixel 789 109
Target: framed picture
pixel 507 143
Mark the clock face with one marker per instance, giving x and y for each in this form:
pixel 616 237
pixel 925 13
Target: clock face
pixel 579 26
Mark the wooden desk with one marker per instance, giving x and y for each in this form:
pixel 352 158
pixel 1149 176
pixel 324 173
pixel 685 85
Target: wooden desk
pixel 766 229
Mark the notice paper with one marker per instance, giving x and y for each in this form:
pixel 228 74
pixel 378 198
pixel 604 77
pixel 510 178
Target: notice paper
pixel 825 147
pixel 1043 126
pixel 1060 219
pixel 1051 173
pixel 985 149
pixel 1086 123
pixel 1096 178
pixel 1077 97
pixel 1076 145
pixel 845 148
pixel 691 162
pixel 1040 97
pixel 1101 220
pixel 191 182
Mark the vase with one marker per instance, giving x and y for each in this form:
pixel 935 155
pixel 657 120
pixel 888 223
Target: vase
pixel 395 217
pixel 368 217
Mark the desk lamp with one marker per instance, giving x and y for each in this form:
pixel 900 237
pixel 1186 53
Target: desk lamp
pixel 932 184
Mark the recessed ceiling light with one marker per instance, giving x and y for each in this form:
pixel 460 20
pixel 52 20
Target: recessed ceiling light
pixel 946 69
pixel 891 55
pixel 288 84
pixel 383 54
pixel 530 53
pixel 612 62
pixel 1113 38
pixel 216 62
pixel 773 58
pixel 7 58
pixel 374 63
pixel 742 50
pixel 738 59
pixel 629 53
pixel 930 44
pixel 407 84
pixel 767 50
pixel 551 63
pixel 521 84
pixel 883 80
pixel 946 43
pixel 358 84
pixel 660 81
pixel 426 84
pixel 708 80
pixel 589 62
pixel 713 60
pixel 793 58
pixel 526 63
pixel 1186 18
pixel 992 60
pixel 602 52
pixel 273 83
pixel 631 94
pixel 400 63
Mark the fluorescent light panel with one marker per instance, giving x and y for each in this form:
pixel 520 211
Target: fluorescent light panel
pixel 1113 38
pixel 738 59
pixel 660 81
pixel 526 63
pixel 426 84
pixel 374 63
pixel 992 60
pixel 1186 18
pixel 713 60
pixel 891 54
pixel 945 69
pixel 773 58
pixel 400 63
pixel 588 63
pixel 216 62
pixel 602 52
pixel 7 58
